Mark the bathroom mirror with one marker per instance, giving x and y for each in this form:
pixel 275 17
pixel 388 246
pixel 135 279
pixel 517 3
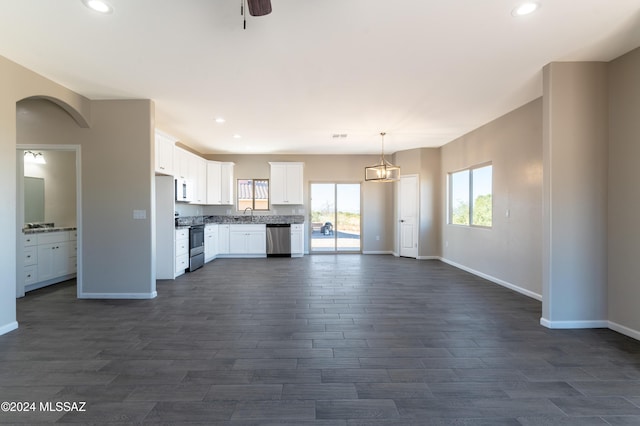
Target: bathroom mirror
pixel 33 199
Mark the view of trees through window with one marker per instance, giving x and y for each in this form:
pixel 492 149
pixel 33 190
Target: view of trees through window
pixel 470 196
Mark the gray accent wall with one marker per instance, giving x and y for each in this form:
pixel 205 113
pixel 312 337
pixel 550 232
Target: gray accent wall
pixel 509 252
pixel 424 162
pixel 116 178
pixel 575 119
pixel 624 194
pixel 18 83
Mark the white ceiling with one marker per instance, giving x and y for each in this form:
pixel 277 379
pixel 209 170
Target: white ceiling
pixel 424 71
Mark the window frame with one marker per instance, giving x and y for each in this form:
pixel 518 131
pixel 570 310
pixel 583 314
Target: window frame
pixel 253 194
pixel 470 201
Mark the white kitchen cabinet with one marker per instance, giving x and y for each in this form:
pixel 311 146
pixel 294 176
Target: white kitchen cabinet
pixel 210 242
pixel 199 167
pixel 286 183
pixel 164 154
pixel 223 239
pixel 182 250
pixel 297 240
pixel 248 240
pixel 214 183
pixel 180 163
pixel 227 183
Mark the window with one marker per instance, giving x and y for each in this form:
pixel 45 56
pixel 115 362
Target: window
pixel 470 196
pixel 253 193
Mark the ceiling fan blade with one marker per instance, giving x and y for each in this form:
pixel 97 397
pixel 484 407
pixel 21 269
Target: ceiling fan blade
pixel 259 7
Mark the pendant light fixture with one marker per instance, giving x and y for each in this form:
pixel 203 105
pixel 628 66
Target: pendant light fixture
pixel 34 157
pixel 256 8
pixel 384 171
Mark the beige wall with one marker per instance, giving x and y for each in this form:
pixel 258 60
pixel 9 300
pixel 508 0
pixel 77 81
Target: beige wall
pixel 509 252
pixel 624 193
pixel 377 201
pixel 17 83
pixel 424 162
pixel 575 194
pixel 116 179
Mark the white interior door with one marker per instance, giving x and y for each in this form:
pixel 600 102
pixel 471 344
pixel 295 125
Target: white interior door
pixel 409 216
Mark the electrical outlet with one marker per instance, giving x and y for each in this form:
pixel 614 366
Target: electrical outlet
pixel 377 237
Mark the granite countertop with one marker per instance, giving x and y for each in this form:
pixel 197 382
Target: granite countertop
pixel 186 221
pixel 45 229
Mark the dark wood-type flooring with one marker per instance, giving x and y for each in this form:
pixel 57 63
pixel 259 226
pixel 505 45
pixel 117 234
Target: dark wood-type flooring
pixel 329 340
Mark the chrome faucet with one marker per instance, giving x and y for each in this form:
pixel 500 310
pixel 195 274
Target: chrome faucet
pixel 249 208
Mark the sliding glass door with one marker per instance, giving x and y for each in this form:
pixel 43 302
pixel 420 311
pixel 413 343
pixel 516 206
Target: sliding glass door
pixel 335 217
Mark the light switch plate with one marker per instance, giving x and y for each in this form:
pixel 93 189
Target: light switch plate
pixel 139 214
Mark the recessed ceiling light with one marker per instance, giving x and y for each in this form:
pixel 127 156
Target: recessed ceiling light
pixel 98 5
pixel 220 120
pixel 525 8
pixel 237 136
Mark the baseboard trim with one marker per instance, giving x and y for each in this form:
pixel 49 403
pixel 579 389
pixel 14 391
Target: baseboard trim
pixel 574 324
pixel 630 332
pixel 429 258
pixel 152 295
pixel 495 280
pixel 8 327
pixel 377 252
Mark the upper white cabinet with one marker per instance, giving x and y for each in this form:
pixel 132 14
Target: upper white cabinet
pixel 164 153
pixel 213 183
pixel 219 183
pixel 180 163
pixel 287 183
pixel 198 174
pixel 226 183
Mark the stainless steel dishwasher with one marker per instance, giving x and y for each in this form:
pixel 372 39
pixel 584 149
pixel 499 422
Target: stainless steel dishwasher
pixel 278 240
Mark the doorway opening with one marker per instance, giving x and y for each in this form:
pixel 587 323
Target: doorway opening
pixel 336 219
pixel 48 196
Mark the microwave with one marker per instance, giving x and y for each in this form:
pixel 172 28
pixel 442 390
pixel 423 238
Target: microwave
pixel 184 190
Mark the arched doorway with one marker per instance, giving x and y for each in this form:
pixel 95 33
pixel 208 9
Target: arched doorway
pixel 35 134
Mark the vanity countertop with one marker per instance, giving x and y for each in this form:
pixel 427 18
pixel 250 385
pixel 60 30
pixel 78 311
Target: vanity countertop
pixel 48 229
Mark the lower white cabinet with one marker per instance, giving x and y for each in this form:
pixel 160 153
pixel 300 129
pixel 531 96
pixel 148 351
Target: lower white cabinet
pixel 182 250
pixel 210 242
pixel 248 240
pixel 223 239
pixel 49 258
pixel 297 239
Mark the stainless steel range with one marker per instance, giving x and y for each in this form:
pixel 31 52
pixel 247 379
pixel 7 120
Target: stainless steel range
pixel 196 247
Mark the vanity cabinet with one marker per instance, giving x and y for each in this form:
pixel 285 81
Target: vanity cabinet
pixel 286 183
pixel 248 240
pixel 49 258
